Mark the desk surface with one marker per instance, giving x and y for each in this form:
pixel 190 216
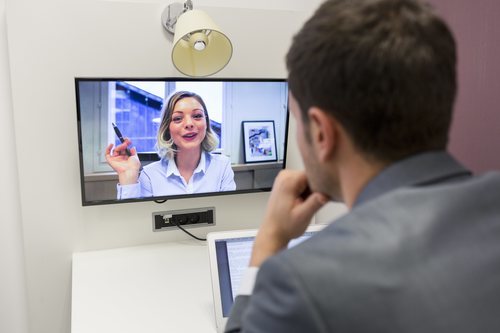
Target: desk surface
pixel 154 288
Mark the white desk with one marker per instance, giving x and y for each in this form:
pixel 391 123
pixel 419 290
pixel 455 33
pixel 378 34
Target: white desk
pixel 145 289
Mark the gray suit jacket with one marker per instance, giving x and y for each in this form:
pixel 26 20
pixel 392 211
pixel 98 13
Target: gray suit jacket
pixel 419 252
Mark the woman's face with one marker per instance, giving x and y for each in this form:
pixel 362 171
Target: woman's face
pixel 189 125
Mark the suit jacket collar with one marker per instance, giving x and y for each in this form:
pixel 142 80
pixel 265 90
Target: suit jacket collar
pixel 417 170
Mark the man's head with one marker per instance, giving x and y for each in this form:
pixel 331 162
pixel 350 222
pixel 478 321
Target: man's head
pixel 384 69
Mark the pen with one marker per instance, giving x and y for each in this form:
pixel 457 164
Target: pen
pixel 120 136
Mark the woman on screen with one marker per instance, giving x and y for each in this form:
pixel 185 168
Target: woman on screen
pixel 184 141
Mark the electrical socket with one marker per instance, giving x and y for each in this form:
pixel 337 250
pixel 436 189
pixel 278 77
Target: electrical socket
pixel 187 218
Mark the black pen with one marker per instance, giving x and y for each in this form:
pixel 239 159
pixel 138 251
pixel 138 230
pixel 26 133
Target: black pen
pixel 120 136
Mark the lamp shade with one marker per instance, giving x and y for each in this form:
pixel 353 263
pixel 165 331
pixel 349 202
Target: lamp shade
pixel 200 48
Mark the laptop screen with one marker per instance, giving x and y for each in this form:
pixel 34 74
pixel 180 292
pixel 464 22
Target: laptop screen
pixel 232 257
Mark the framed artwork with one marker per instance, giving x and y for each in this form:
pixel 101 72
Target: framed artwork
pixel 259 141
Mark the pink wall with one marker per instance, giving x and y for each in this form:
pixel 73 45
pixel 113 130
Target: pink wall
pixel 475 134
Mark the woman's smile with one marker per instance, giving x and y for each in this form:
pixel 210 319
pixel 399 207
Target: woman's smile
pixel 190 136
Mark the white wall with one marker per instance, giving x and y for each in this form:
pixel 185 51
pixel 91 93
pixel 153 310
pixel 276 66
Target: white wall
pixel 13 302
pixel 49 43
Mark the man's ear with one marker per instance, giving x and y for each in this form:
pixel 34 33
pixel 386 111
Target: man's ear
pixel 324 133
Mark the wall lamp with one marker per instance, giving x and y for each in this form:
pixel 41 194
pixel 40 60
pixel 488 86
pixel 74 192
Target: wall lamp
pixel 200 48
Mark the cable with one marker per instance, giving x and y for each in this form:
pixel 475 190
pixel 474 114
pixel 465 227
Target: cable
pixel 187 232
pixel 158 201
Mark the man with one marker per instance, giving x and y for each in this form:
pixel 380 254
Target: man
pixel 372 89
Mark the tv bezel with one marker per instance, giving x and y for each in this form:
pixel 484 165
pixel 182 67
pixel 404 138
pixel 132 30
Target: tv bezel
pixel 164 198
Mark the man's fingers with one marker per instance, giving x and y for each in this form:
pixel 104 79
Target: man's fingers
pixel 311 205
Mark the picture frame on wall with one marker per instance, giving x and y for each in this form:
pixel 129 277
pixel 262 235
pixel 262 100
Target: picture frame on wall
pixel 259 141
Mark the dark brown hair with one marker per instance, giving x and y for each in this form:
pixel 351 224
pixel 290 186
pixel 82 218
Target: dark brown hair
pixel 385 69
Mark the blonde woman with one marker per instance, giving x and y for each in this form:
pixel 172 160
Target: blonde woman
pixel 185 141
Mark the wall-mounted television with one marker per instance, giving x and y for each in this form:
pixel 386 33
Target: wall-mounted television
pixel 180 137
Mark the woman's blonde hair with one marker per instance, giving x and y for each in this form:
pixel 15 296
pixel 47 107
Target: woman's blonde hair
pixel 165 145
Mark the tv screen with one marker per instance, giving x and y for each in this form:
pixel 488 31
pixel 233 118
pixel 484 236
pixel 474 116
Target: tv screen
pixel 165 138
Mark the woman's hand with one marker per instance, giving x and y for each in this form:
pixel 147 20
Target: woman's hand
pixel 288 214
pixel 127 167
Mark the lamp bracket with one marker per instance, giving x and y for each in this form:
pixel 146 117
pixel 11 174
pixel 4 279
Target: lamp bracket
pixel 172 13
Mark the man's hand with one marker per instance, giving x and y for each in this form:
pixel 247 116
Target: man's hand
pixel 288 214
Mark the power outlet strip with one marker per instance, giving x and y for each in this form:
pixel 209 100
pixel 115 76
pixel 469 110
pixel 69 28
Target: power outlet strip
pixel 186 218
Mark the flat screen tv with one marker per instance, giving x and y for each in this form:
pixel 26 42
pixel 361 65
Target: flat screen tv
pixel 156 139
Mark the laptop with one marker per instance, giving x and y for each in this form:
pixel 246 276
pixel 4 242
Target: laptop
pixel 229 253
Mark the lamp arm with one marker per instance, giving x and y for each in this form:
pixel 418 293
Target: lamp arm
pixel 172 13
